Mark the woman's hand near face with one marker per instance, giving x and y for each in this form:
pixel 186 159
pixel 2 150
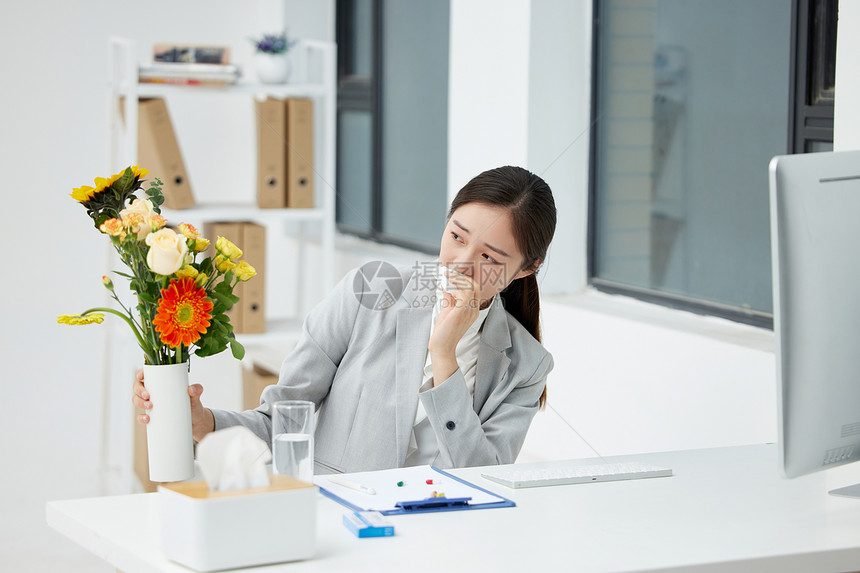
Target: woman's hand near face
pixel 460 307
pixel 202 420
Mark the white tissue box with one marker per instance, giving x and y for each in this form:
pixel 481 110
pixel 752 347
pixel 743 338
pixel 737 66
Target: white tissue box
pixel 211 530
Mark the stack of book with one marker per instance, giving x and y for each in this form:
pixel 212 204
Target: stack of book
pixel 189 65
pixel 188 74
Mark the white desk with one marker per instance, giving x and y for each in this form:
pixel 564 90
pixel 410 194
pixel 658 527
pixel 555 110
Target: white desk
pixel 725 509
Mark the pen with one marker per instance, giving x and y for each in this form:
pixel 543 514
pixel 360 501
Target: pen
pixel 352 485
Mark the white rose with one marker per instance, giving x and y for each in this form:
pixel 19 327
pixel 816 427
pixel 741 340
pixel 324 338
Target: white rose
pixel 144 207
pixel 167 251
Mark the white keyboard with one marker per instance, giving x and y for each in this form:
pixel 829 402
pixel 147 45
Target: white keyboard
pixel 568 472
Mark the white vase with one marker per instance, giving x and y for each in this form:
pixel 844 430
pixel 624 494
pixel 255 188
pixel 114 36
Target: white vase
pixel 272 68
pixel 169 442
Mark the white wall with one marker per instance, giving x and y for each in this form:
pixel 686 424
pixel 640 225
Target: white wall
pixel 487 86
pixel 559 131
pixel 630 377
pixel 519 94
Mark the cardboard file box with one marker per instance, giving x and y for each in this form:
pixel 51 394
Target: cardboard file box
pixel 252 301
pixel 212 530
pixel 248 316
pixel 300 153
pixel 254 381
pixel 158 151
pixel 285 153
pixel 271 117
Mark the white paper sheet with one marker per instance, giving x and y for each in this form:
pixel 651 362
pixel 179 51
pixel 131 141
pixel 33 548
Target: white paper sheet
pixel 415 487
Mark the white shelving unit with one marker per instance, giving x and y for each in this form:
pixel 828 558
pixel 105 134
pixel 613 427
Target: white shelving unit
pixel 123 133
pixel 314 64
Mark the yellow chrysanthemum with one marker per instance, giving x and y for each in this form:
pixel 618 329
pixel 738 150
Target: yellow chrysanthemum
pixel 79 319
pixel 201 279
pixel 223 264
pixel 201 244
pixel 227 248
pixel 244 271
pixel 186 271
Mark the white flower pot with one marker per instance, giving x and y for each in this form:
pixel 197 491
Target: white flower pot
pixel 272 68
pixel 169 442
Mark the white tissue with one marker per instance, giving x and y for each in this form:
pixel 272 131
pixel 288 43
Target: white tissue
pixel 444 282
pixel 233 458
pixel 444 279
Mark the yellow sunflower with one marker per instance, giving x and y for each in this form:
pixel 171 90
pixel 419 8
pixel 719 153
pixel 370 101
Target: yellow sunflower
pixel 78 319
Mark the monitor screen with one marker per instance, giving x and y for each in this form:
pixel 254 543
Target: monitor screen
pixel 815 242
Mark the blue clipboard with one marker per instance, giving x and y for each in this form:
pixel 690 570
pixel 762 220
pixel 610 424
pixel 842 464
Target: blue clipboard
pixel 428 504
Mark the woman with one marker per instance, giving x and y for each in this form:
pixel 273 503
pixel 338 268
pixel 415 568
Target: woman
pixel 448 377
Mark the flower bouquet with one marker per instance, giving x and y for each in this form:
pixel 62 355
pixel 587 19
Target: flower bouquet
pixel 181 301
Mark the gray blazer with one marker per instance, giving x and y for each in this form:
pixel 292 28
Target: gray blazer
pixel 362 367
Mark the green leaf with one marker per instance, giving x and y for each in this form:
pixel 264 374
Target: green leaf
pixel 146 297
pixel 227 299
pixel 211 347
pixel 237 349
pixel 221 318
pixel 123 185
pixel 101 218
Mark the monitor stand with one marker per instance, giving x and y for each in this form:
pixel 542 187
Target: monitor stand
pixel 848 491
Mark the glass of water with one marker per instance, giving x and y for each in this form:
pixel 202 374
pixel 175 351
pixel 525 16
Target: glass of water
pixel 293 439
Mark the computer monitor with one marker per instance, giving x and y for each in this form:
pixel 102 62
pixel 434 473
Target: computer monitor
pixel 815 243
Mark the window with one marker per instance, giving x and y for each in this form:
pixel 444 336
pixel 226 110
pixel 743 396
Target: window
pixel 392 120
pixel 692 98
pixel 814 58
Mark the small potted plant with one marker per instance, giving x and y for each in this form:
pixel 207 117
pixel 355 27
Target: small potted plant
pixel 270 60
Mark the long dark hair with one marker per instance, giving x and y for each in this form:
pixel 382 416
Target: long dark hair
pixel 529 201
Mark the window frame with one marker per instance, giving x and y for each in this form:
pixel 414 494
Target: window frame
pixel 812 122
pixel 806 123
pixel 359 93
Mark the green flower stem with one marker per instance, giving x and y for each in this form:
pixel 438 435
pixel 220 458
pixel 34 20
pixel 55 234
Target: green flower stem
pixel 150 332
pixel 129 314
pixel 143 346
pixel 143 276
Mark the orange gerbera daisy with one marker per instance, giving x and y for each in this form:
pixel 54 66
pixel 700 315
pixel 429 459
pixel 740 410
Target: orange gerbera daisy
pixel 183 313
